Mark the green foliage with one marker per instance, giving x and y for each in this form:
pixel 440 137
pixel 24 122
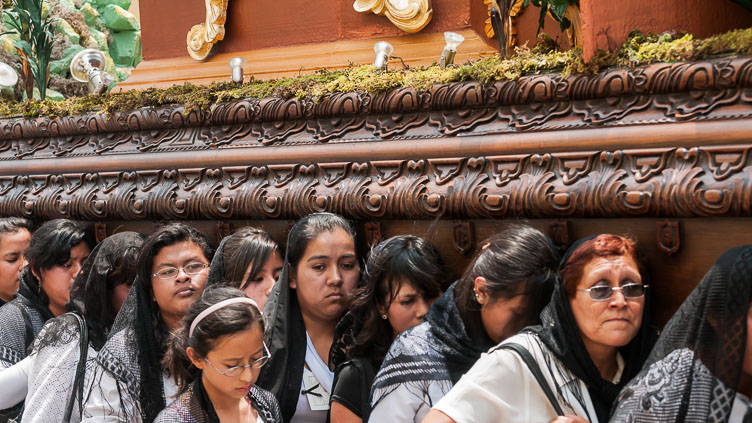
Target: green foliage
pixel 557 9
pixel 544 58
pixel 34 42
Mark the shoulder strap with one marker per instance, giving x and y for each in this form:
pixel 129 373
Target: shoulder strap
pixel 78 383
pixel 536 371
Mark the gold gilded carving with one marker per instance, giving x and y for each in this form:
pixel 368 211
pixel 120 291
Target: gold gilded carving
pixel 407 15
pixel 202 37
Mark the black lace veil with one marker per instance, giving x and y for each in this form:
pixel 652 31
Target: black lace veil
pixel 692 372
pixel 285 337
pixel 217 268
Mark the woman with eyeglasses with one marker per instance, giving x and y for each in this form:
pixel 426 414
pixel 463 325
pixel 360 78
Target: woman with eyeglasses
pixel 594 337
pixel 215 358
pixel 129 382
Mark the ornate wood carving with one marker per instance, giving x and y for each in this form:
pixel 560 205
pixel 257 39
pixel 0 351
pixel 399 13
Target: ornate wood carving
pixel 559 233
pixel 669 236
pixel 407 15
pixel 666 140
pixel 373 233
pixel 202 37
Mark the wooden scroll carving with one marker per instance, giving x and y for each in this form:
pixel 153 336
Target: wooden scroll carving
pixel 662 141
pixel 202 37
pixel 407 15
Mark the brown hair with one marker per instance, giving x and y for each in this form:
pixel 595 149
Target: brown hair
pixel 226 321
pixel 248 246
pixel 605 245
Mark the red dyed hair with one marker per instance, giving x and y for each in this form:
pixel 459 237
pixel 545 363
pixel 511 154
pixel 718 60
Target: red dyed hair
pixel 605 245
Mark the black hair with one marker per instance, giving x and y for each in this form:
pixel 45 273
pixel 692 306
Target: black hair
pixel 308 228
pixel 166 236
pixel 226 321
pixel 9 225
pixel 247 246
pixel 399 259
pixel 50 246
pixel 519 260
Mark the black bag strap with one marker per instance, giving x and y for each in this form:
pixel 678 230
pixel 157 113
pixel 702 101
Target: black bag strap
pixel 78 383
pixel 536 371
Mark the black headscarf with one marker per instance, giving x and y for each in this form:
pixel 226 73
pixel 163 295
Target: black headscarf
pixel 91 292
pixel 561 334
pixel 693 371
pixel 132 355
pixel 217 267
pixel 285 336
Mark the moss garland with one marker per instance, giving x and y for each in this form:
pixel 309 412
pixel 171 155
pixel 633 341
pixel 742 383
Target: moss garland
pixel 639 50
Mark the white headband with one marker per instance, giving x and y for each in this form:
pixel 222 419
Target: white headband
pixel 215 307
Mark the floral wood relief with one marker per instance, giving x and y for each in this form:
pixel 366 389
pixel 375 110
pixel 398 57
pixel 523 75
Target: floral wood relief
pixel 202 37
pixel 408 15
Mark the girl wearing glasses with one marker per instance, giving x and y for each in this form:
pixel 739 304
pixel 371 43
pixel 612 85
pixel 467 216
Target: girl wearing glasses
pixel 594 337
pixel 215 358
pixel 129 382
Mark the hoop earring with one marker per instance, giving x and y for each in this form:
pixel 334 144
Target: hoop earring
pixel 383 316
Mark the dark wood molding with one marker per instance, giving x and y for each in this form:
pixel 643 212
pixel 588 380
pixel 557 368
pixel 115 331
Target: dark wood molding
pixel 666 140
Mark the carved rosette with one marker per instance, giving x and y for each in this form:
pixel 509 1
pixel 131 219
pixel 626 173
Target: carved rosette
pixel 408 15
pixel 202 37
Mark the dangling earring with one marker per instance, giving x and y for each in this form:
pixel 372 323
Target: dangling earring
pixel 383 316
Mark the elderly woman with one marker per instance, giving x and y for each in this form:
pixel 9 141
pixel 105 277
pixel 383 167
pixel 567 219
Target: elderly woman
pixel 594 336
pixel 701 367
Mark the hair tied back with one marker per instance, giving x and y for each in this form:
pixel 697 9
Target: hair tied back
pixel 215 307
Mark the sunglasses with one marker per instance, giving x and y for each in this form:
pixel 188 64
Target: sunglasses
pixel 630 290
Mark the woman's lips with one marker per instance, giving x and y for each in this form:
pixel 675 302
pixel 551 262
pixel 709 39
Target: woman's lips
pixel 185 292
pixel 244 389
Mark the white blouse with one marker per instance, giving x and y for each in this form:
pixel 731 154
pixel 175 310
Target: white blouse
pixel 409 402
pixel 44 380
pixel 99 405
pixel 500 387
pixel 325 377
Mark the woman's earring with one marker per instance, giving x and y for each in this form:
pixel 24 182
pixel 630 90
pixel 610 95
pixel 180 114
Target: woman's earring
pixel 383 316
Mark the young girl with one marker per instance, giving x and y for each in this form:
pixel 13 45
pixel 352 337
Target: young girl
pixel 249 260
pixel 402 278
pixel 215 358
pixel 321 270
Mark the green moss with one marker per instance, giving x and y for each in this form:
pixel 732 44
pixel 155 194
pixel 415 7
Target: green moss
pixel 638 50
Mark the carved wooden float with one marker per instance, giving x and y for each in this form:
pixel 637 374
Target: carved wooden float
pixel 661 152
